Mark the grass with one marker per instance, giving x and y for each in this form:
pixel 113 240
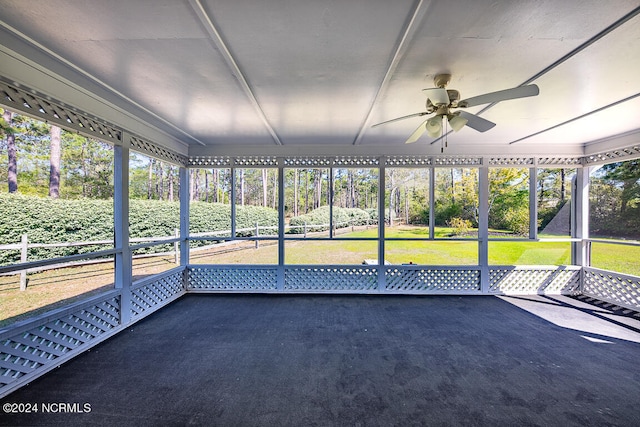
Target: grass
pixel 58 287
pixel 51 289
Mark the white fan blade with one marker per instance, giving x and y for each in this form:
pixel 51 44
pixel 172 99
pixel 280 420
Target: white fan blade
pixel 501 95
pixel 477 122
pixel 437 95
pixel 401 118
pixel 417 133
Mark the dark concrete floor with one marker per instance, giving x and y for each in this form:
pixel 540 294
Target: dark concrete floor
pixel 259 360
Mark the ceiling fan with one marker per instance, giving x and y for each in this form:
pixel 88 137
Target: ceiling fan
pixel 441 101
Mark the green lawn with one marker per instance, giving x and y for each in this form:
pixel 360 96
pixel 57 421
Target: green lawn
pixel 619 258
pixel 53 288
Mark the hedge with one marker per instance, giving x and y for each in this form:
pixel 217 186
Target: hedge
pixel 47 220
pixel 318 219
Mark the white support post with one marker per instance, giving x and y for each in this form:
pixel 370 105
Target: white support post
pixel 184 216
pixel 483 226
pixel 382 282
pixel 331 225
pixel 123 263
pixel 533 205
pixel 432 202
pixel 580 250
pixel 281 253
pixel 24 251
pixel 233 201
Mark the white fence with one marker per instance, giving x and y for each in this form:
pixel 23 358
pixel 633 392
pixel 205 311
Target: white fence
pixel 257 232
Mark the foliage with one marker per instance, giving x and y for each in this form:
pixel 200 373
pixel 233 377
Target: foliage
pixel 318 219
pixel 47 220
pixel 460 226
pixel 509 199
pixel 615 200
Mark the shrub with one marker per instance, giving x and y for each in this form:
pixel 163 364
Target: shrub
pixel 46 220
pixel 517 221
pixel 460 226
pixel 318 219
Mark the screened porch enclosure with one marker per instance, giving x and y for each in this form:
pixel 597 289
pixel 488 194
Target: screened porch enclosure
pixel 231 225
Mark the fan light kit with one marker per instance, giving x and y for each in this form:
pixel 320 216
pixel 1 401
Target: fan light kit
pixel 440 102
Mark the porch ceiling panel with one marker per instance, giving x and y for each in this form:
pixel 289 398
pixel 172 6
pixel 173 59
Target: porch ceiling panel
pixel 313 66
pixel 250 75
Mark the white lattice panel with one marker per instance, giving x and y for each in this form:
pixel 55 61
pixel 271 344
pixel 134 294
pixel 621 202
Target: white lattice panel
pixel 456 161
pixel 356 161
pixel 432 280
pixel 39 347
pixel 511 161
pixel 214 278
pixel 209 161
pixel 407 161
pixel 255 161
pixel 149 296
pixel 307 162
pixel 612 287
pixel 154 150
pixel 31 104
pixel 614 155
pixel 331 279
pixel 525 280
pixel 562 161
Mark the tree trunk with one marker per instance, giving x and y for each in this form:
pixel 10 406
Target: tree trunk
pixel 317 188
pixel 12 155
pixel 170 183
pixel 206 185
pixel 215 178
pixel 196 187
pixel 306 191
pixel 295 192
pixel 265 183
pixel 150 179
pixel 563 190
pixel 160 181
pixel 55 154
pixel 275 189
pixel 242 185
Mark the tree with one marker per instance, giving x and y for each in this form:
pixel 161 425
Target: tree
pixel 54 162
pixel 12 157
pixel 628 174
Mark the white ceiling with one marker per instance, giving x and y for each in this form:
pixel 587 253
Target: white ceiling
pixel 315 75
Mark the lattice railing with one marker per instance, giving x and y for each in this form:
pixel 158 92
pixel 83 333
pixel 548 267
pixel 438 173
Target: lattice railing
pixel 330 279
pixel 32 349
pixel 232 278
pixel 432 280
pixel 617 288
pixel 148 295
pixel 563 280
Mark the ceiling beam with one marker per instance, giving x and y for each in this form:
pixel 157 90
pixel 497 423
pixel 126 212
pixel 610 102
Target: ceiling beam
pixel 409 32
pixel 217 39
